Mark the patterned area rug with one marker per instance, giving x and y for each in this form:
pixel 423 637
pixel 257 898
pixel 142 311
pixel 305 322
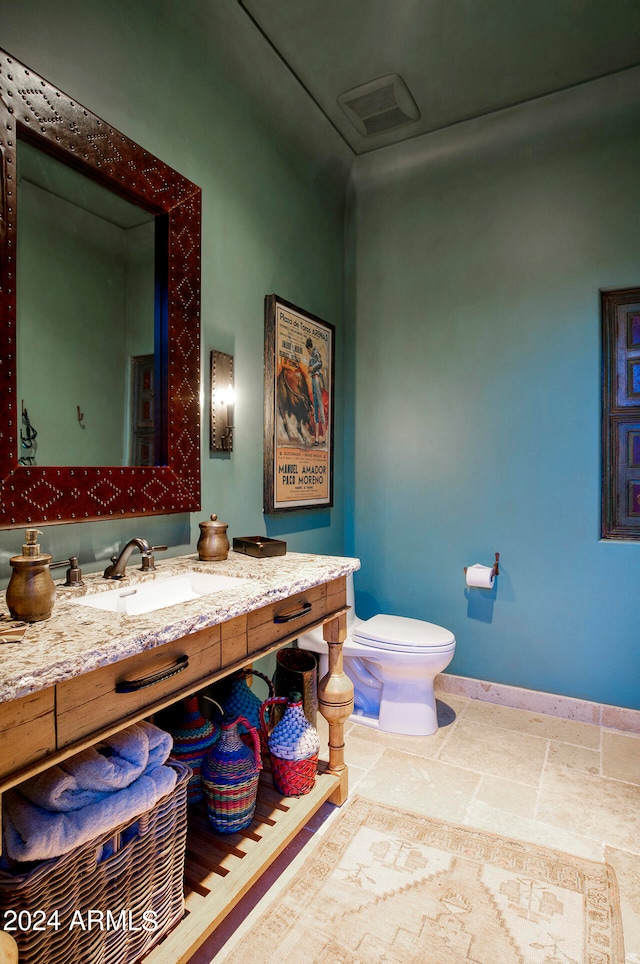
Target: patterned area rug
pixel 389 886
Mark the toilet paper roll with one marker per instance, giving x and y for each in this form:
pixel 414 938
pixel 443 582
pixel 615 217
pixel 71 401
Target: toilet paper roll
pixel 480 576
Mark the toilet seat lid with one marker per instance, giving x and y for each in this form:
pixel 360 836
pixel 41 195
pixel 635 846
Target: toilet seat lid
pixel 403 633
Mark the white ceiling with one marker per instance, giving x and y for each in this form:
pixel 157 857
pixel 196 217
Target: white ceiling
pixel 461 59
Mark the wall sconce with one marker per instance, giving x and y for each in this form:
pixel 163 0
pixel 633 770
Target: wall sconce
pixel 222 402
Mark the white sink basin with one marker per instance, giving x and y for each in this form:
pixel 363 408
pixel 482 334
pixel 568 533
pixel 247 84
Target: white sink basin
pixel 146 597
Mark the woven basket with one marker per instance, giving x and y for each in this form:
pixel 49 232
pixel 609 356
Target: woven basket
pixel 242 701
pixel 193 736
pixel 230 775
pixel 75 910
pixel 231 808
pixel 293 765
pixel 293 778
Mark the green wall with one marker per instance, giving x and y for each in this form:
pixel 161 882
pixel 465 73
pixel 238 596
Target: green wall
pixel 475 263
pixel 272 222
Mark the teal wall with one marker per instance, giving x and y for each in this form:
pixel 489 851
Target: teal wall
pixel 467 320
pixel 474 266
pixel 272 222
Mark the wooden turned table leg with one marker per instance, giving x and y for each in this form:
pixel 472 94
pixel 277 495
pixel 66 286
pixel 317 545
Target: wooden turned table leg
pixel 335 702
pixel 8 949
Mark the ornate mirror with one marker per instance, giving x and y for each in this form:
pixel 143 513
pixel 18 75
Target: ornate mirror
pixel 162 225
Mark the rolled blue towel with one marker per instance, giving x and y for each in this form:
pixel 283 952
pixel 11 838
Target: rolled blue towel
pixel 160 743
pixel 33 833
pixel 60 792
pixel 92 774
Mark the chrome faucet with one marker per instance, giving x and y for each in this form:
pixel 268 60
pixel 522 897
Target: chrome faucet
pixel 119 563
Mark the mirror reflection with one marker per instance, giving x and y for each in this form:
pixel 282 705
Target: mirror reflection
pixel 85 324
pixel 168 395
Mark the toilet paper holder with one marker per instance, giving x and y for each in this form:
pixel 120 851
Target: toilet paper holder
pixel 495 571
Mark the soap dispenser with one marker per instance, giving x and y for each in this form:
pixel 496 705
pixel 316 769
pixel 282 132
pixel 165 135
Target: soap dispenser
pixel 31 592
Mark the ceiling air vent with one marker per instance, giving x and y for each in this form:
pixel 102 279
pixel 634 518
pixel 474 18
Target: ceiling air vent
pixel 379 106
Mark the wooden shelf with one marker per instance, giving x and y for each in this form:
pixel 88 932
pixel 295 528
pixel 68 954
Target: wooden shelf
pixel 221 868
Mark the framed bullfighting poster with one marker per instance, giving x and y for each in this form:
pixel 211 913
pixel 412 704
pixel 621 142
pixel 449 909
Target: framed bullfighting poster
pixel 298 414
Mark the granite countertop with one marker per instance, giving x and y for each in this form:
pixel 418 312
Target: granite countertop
pixel 78 639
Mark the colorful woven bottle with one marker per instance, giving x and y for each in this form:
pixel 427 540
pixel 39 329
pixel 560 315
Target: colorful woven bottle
pixel 230 773
pixel 242 701
pixel 193 735
pixel 293 747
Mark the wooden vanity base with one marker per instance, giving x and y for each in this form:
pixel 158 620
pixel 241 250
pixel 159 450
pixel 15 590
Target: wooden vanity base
pixel 48 727
pixel 335 701
pixel 220 869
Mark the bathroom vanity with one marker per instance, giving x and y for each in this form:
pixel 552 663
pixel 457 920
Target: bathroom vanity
pixel 88 672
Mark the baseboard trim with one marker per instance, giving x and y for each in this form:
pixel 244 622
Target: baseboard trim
pixel 600 714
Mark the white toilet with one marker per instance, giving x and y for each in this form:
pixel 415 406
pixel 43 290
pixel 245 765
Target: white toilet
pixel 392 662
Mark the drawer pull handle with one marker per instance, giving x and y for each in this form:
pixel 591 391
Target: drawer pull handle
pixel 132 685
pixel 288 617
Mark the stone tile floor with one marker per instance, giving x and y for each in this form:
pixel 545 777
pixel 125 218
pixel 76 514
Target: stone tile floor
pixel 561 783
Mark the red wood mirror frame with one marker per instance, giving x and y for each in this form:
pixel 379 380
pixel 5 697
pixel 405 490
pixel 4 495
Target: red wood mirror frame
pixel 34 110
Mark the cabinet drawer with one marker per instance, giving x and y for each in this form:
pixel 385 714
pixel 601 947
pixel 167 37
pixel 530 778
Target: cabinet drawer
pixel 28 728
pixel 234 640
pixel 336 594
pixel 106 696
pixel 286 618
